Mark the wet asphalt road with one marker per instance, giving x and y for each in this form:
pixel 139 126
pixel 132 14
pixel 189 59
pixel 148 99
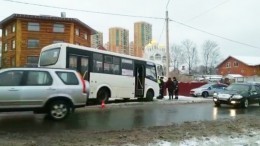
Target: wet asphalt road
pixel 126 117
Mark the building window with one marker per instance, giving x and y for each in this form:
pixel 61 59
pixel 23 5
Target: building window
pixel 228 65
pixel 235 64
pixel 164 59
pixel 33 43
pixel 13 44
pixel 32 60
pixel 12 61
pixel 5 47
pixel 85 36
pixel 57 41
pixel 13 28
pixel 158 57
pixel 32 26
pixel 6 32
pixel 77 32
pixel 58 28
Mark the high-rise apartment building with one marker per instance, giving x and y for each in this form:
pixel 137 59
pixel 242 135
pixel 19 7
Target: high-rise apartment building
pixel 119 40
pixel 131 49
pixel 142 37
pixel 97 40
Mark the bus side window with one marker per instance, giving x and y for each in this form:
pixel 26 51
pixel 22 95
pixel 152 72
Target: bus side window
pixel 98 62
pixel 108 64
pixel 116 65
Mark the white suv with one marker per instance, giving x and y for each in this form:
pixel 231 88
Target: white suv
pixel 56 92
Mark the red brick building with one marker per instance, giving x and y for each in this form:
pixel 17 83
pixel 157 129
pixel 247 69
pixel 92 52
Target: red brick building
pixel 23 36
pixel 243 65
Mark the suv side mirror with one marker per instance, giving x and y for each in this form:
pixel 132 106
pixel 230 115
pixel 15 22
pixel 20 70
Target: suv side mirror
pixel 209 88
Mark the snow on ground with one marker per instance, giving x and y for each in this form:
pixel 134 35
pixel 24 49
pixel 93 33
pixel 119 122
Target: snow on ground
pixel 252 139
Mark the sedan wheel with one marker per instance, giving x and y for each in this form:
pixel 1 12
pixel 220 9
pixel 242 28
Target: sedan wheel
pixel 205 94
pixel 217 104
pixel 245 103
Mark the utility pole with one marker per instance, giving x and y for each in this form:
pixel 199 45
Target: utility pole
pixel 167 45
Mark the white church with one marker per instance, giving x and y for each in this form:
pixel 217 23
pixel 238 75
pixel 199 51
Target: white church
pixel 157 53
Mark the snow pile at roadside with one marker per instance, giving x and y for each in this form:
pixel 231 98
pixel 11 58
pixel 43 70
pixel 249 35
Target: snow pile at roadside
pixel 252 138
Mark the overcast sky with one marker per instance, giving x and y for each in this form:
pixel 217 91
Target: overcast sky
pixel 236 20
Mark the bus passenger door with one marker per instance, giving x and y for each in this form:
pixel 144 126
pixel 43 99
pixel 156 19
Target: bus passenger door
pixel 79 63
pixel 84 67
pixel 139 78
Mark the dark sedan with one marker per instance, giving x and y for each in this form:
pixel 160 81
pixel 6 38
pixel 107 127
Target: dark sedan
pixel 241 94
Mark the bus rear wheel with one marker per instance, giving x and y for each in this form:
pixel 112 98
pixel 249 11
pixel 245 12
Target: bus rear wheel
pixel 102 95
pixel 149 95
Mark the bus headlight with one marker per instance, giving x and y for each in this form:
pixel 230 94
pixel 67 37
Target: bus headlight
pixel 237 96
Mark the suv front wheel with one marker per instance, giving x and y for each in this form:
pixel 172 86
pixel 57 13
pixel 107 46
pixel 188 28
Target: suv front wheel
pixel 58 110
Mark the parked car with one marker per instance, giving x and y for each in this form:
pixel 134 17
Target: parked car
pixel 56 92
pixel 207 89
pixel 241 94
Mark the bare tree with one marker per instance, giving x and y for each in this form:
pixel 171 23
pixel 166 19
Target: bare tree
pixel 176 56
pixel 190 54
pixel 211 55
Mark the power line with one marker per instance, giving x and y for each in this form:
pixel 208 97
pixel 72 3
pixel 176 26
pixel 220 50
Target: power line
pixel 137 16
pixel 167 4
pixel 79 10
pixel 162 32
pixel 208 10
pixel 231 40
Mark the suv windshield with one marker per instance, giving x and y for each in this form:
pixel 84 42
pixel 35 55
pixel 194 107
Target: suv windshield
pixel 238 87
pixel 49 57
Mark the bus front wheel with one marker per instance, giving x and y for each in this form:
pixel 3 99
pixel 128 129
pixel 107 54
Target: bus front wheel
pixel 149 95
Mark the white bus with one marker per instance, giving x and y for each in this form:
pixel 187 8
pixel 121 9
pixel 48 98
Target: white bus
pixel 111 75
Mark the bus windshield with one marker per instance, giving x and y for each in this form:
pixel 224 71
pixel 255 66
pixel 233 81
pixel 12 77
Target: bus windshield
pixel 49 57
pixel 151 72
pixel 160 70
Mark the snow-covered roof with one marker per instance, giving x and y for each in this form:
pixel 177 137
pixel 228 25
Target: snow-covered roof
pixel 234 76
pixel 249 60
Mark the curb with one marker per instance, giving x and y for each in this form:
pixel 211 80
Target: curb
pixel 163 102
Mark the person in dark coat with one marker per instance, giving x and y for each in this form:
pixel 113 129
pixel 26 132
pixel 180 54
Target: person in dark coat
pixel 176 87
pixel 161 85
pixel 170 86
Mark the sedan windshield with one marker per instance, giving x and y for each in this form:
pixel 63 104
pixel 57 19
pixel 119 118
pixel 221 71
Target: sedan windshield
pixel 206 85
pixel 238 87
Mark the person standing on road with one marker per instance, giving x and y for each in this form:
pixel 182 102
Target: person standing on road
pixel 176 87
pixel 161 85
pixel 170 86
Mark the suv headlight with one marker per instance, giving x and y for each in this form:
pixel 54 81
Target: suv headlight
pixel 237 96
